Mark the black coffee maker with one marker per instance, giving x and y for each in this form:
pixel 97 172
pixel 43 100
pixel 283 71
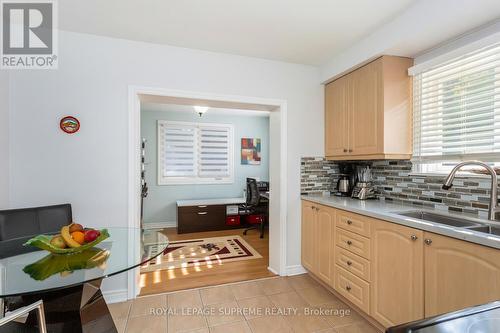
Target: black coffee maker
pixel 346 180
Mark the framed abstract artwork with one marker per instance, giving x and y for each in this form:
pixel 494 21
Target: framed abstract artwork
pixel 250 151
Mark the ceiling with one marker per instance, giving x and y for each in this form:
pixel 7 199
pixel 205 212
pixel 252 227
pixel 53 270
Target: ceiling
pixel 145 107
pixel 300 31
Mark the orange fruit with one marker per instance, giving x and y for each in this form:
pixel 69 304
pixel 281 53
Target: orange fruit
pixel 78 237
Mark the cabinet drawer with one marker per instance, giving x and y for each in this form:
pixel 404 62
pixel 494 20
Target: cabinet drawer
pixel 353 263
pixel 353 242
pixel 353 222
pixel 353 288
pixel 198 218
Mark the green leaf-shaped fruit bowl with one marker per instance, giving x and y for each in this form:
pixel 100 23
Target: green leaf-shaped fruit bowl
pixel 43 242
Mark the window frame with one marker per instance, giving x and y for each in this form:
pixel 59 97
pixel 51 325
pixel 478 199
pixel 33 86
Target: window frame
pixel 440 164
pixel 194 180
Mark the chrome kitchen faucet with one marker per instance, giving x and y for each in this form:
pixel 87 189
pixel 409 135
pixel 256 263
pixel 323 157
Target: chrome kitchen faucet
pixel 448 183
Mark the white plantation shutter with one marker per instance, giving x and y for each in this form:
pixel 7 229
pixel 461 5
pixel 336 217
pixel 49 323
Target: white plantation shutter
pixel 214 151
pixel 457 109
pixel 194 153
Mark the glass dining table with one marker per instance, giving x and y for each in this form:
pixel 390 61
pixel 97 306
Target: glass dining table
pixel 69 284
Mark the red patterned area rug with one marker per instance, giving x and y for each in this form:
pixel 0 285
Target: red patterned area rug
pixel 195 252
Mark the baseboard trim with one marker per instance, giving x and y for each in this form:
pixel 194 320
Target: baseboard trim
pixel 160 225
pixel 295 270
pixel 115 296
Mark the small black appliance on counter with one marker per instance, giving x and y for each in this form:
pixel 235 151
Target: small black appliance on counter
pixel 479 319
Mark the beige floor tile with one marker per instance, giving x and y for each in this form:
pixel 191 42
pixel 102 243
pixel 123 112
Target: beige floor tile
pixel 223 313
pixel 362 327
pixel 144 324
pixel 120 325
pixel 247 290
pixel 255 307
pixel 275 286
pixel 119 310
pixel 216 295
pixel 269 324
pixel 302 281
pixel 185 299
pixel 288 300
pixel 317 296
pixel 144 305
pixel 307 324
pixel 202 330
pixel 186 323
pixel 238 327
pixel 343 316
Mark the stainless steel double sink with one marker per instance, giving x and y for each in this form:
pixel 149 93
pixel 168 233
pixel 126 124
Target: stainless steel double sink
pixel 452 221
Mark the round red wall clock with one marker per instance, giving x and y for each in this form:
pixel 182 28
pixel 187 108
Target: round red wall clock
pixel 69 125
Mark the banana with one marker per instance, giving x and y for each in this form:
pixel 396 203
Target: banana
pixel 67 237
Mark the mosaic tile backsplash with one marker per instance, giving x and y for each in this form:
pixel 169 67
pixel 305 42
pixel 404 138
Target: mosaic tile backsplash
pixel 394 182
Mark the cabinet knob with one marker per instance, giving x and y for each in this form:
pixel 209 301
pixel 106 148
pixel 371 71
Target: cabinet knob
pixel 349 263
pixel 428 241
pixel 345 150
pixel 348 288
pixel 350 150
pixel 349 242
pixel 414 237
pixel 349 222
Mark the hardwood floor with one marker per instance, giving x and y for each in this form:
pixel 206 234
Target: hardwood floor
pixel 202 276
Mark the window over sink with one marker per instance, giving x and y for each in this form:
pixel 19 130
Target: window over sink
pixel 457 112
pixel 195 153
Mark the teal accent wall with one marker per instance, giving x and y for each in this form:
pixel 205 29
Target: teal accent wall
pixel 159 206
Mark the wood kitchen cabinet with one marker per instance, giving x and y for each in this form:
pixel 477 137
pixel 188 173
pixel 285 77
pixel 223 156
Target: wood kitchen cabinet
pixel 397 279
pixel 318 225
pixel 308 236
pixel 368 112
pixel 459 274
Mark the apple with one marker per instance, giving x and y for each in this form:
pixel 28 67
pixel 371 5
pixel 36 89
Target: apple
pixel 91 235
pixel 58 241
pixel 75 227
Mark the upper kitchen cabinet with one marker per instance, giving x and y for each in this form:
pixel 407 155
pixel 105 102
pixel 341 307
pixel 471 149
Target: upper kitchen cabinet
pixel 368 112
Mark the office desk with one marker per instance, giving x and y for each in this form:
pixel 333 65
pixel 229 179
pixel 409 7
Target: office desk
pixel 208 214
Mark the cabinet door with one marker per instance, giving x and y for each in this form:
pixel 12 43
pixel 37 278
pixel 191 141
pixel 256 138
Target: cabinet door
pixel 366 133
pixel 308 237
pixel 397 292
pixel 336 114
pixel 325 229
pixel 459 274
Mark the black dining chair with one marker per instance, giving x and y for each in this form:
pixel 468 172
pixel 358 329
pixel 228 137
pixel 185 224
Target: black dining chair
pixel 19 225
pixel 252 206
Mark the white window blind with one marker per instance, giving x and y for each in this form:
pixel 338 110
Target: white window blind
pixel 194 153
pixel 457 109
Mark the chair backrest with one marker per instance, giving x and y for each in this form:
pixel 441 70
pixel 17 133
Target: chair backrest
pixel 253 195
pixel 17 223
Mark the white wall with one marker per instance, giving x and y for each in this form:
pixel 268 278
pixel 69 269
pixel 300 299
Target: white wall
pixel 4 139
pixel 89 169
pixel 423 25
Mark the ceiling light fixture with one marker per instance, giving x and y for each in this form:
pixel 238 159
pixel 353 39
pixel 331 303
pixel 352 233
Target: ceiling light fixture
pixel 201 109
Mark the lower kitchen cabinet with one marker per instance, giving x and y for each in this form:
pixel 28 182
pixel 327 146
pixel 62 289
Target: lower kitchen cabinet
pixel 308 236
pixel 459 274
pixel 393 273
pixel 325 228
pixel 397 279
pixel 318 226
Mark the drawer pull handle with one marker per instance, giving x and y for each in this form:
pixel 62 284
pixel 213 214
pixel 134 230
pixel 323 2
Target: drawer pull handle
pixel 349 222
pixel 348 288
pixel 202 206
pixel 202 213
pixel 349 263
pixel 349 242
